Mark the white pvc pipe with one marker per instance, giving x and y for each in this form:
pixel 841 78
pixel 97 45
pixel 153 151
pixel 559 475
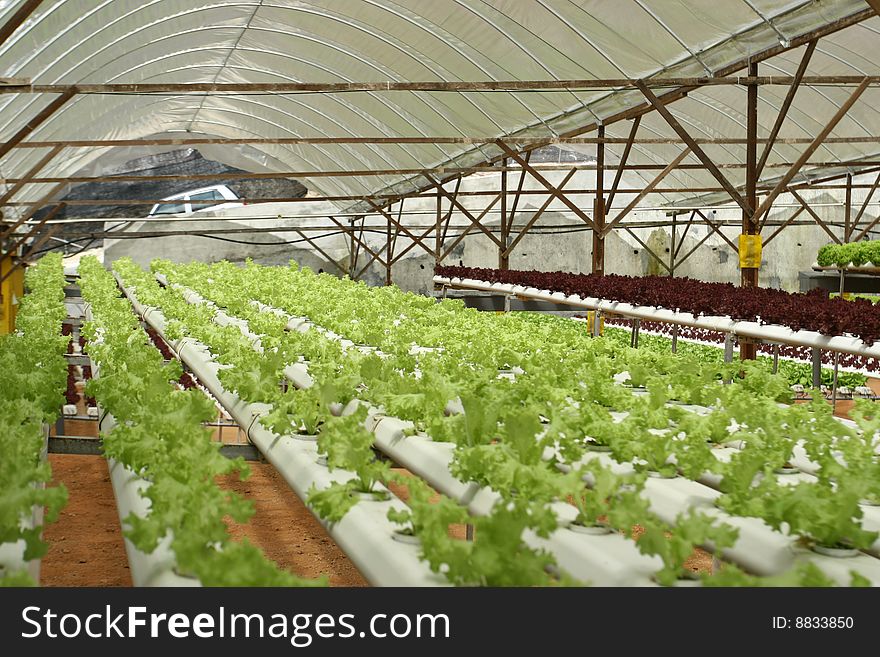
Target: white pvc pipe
pixel 12 554
pixel 156 568
pixel 604 560
pixel 768 332
pixel 365 533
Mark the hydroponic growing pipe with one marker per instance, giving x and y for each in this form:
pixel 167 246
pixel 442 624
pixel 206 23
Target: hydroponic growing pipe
pixel 760 549
pixel 156 568
pixel 364 534
pixel 12 554
pixel 767 332
pixel 608 560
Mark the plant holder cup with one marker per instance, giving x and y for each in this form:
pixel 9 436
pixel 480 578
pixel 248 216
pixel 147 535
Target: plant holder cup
pixel 306 437
pixel 596 447
pixel 837 551
pixel 406 536
pixel 592 530
pixel 373 495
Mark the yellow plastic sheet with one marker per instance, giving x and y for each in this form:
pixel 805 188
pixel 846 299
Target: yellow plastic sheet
pixel 750 251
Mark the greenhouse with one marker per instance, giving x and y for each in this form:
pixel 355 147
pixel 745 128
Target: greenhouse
pixel 463 293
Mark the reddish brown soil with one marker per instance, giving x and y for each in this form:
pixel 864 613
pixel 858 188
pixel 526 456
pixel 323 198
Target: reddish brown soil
pixel 286 531
pixel 85 545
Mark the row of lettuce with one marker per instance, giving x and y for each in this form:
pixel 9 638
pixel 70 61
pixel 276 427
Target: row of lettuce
pixel 866 252
pixel 160 435
pixel 560 400
pixel 35 373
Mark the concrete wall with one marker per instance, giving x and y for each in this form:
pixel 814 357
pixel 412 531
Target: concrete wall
pixel 791 251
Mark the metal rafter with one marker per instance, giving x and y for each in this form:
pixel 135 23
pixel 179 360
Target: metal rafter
pixel 648 189
pixel 817 141
pixel 548 185
pixel 664 112
pixel 786 104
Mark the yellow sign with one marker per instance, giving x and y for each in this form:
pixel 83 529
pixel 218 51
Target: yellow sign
pixel 591 321
pixel 11 290
pixel 750 251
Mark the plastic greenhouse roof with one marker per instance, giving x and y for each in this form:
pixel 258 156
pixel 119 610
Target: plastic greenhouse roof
pixel 223 41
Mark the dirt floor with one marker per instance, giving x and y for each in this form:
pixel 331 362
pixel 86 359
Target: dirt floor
pixel 85 545
pixel 286 530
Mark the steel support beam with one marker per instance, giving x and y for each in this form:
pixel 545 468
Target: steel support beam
pixel 650 187
pixel 817 141
pixel 28 177
pixel 815 216
pixel 623 160
pixel 749 275
pixel 537 215
pixel 664 112
pixel 17 19
pixel 598 264
pixel 786 104
pixel 554 191
pixel 861 211
pixel 36 122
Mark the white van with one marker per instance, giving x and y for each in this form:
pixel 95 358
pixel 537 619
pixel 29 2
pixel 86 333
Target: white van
pixel 193 201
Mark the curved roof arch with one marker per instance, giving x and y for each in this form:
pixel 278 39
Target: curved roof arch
pixel 223 41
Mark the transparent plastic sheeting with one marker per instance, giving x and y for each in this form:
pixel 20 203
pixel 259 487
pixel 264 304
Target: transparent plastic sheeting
pixel 227 41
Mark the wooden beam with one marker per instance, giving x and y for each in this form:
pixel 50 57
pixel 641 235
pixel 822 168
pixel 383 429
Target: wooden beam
pixel 23 260
pixel 847 202
pixel 317 248
pixel 537 215
pixel 434 86
pixel 35 207
pixel 749 275
pixel 17 19
pixel 528 143
pixel 717 231
pixel 864 206
pixel 411 245
pixel 875 5
pixel 24 238
pixel 466 212
pixel 28 177
pixel 648 249
pixel 684 235
pixel 474 222
pixel 693 250
pixel 815 216
pixel 37 121
pixel 502 261
pixel 817 141
pixel 448 219
pixel 783 225
pixel 359 240
pixel 623 160
pixel 400 226
pixel 663 111
pixel 598 259
pixel 555 192
pixel 519 191
pixel 648 189
pixel 786 104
